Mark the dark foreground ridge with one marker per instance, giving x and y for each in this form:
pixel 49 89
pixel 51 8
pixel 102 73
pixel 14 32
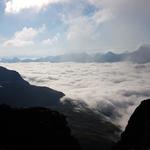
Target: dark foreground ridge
pixel 34 129
pixel 91 129
pixel 15 91
pixel 137 133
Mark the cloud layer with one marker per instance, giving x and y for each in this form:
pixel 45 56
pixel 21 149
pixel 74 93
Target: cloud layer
pixel 15 6
pixel 113 89
pixel 25 37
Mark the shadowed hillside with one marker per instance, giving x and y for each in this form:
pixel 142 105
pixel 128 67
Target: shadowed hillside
pixel 91 129
pixel 15 91
pixel 34 128
pixel 137 133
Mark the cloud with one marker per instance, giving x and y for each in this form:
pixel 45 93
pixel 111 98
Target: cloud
pixel 95 84
pixel 102 16
pixel 25 37
pixel 127 12
pixel 51 41
pixel 77 34
pixel 83 30
pixel 86 25
pixel 15 6
pixel 129 25
pixel 119 4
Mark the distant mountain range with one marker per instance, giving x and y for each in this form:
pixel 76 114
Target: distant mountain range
pixel 141 55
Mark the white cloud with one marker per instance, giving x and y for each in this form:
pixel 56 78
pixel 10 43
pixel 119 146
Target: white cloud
pixel 90 24
pixel 122 8
pixel 83 31
pixel 113 89
pixel 25 37
pixel 17 43
pixel 87 27
pixel 15 6
pixel 102 16
pixel 79 28
pixel 51 41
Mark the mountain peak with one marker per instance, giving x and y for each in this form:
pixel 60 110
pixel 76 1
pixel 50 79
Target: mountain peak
pixel 10 77
pixel 15 91
pixel 141 55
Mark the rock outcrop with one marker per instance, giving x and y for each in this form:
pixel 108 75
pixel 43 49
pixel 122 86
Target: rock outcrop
pixel 137 133
pixel 90 128
pixel 15 91
pixel 34 129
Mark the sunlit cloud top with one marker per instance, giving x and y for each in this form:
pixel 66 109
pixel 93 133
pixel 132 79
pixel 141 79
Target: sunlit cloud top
pixel 50 27
pixel 15 6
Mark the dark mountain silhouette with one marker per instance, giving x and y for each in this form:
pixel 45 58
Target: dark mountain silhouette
pixel 137 133
pixel 34 129
pixel 91 129
pixel 15 91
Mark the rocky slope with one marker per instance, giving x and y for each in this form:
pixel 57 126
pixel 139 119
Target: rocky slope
pixel 90 128
pixel 34 128
pixel 15 91
pixel 137 133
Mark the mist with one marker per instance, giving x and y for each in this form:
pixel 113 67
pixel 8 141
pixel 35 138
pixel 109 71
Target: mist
pixel 114 89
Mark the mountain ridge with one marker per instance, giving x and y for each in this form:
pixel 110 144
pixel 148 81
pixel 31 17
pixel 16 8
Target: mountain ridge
pixel 136 135
pixel 34 128
pixel 12 85
pixel 140 55
pixel 91 129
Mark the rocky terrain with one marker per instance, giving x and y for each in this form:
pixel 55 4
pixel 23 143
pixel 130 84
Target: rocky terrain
pixel 15 91
pixel 34 128
pixel 90 128
pixel 137 133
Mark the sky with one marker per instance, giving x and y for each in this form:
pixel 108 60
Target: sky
pixel 33 28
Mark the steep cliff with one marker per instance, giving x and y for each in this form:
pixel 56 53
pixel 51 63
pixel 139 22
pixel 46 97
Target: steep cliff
pixel 15 91
pixel 137 133
pixel 34 128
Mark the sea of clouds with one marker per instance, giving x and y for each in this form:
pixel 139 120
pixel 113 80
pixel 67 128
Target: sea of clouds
pixel 115 89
